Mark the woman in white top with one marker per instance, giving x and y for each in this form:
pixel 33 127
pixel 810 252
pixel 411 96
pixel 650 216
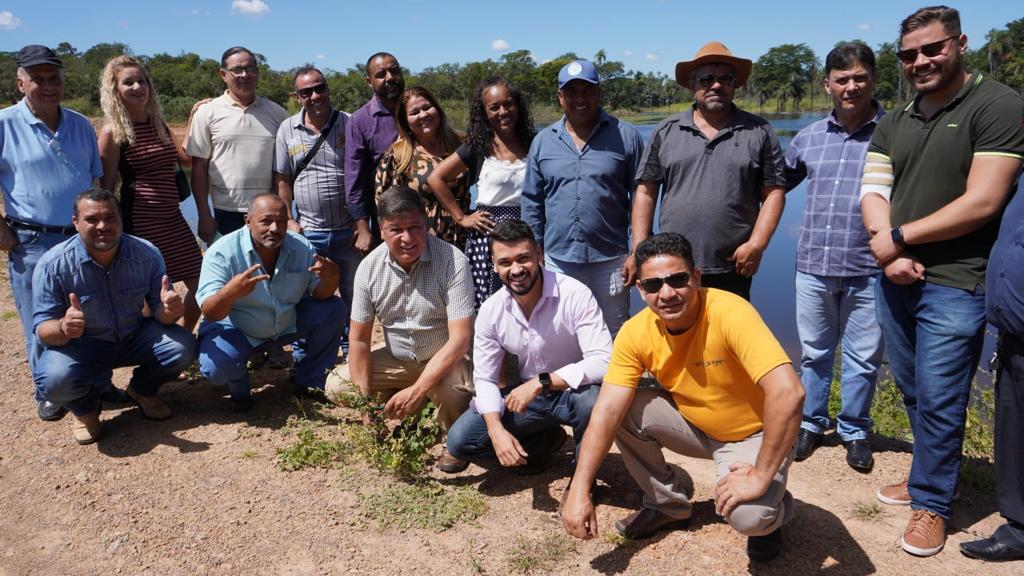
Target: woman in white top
pixel 493 156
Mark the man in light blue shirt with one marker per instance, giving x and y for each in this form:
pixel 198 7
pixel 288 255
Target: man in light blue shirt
pixel 88 299
pixel 48 155
pixel 262 286
pixel 580 177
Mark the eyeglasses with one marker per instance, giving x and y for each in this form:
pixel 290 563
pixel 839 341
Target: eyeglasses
pixel 676 281
pixel 247 70
pixel 308 91
pixel 708 80
pixel 930 50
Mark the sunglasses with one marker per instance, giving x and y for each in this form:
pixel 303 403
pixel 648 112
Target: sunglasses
pixel 676 281
pixel 708 80
pixel 930 50
pixel 307 92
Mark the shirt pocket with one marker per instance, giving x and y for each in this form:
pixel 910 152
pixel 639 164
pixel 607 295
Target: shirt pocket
pixel 130 299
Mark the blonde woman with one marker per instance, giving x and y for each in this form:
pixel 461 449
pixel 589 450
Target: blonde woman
pixel 136 144
pixel 424 140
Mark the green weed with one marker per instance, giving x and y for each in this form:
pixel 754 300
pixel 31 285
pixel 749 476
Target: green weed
pixel 425 505
pixel 868 511
pixel 310 451
pixel 529 556
pixel 248 454
pixel 9 315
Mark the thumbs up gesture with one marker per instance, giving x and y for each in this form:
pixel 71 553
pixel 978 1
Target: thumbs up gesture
pixel 173 307
pixel 73 323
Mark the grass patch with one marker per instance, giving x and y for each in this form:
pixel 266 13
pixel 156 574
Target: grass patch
pixel 424 505
pixel 310 451
pixel 868 511
pixel 889 412
pixel 615 538
pixel 248 454
pixel 9 315
pixel 534 555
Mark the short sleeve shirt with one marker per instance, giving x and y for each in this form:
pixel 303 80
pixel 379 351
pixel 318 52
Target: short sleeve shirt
pixel 111 297
pixel 42 171
pixel 711 370
pixel 711 189
pixel 931 160
pixel 414 307
pixel 268 312
pixel 319 191
pixel 239 144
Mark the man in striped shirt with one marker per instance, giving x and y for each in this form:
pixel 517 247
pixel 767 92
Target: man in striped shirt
pixel 835 272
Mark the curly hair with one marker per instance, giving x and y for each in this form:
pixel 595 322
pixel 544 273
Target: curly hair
pixel 480 133
pixel 114 110
pixel 404 146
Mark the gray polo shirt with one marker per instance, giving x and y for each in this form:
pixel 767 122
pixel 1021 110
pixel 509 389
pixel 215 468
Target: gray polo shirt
pixel 711 189
pixel 414 308
pixel 319 191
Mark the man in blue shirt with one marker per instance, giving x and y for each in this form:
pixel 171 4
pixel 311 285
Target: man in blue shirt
pixel 263 286
pixel 48 155
pixel 835 271
pixel 88 298
pixel 578 188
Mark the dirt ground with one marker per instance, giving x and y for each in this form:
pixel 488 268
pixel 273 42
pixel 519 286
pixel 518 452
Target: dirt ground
pixel 201 494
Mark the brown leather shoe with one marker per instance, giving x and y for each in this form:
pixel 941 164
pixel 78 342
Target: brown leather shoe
pixel 925 534
pixel 645 522
pixel 894 494
pixel 152 407
pixel 450 464
pixel 86 428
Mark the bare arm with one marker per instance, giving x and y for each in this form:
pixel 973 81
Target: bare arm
pixel 460 338
pixel 201 192
pixel 641 222
pixel 783 404
pixel 329 274
pixel 359 363
pixel 110 156
pixel 283 186
pixel 578 515
pixel 748 255
pixel 449 169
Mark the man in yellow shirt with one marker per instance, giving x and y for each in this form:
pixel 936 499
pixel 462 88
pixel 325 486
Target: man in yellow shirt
pixel 728 393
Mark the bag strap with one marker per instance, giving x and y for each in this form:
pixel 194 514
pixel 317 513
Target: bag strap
pixel 316 147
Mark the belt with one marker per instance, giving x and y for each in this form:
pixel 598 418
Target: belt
pixel 66 230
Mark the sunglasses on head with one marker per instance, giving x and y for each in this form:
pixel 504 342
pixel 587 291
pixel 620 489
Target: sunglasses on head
pixel 676 281
pixel 307 92
pixel 930 50
pixel 708 80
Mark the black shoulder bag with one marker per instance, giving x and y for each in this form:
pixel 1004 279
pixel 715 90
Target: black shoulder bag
pixel 316 147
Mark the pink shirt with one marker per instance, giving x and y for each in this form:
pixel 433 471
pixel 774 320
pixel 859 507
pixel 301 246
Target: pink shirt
pixel 565 335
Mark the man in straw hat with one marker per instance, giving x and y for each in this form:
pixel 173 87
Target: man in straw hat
pixel 721 173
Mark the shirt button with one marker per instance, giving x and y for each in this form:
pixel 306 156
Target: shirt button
pixel 837 182
pixel 579 178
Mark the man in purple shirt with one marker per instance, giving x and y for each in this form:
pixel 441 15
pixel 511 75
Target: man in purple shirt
pixel 370 131
pixel 554 327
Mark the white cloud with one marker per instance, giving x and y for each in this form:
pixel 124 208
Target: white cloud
pixel 253 8
pixel 499 44
pixel 198 12
pixel 864 27
pixel 320 56
pixel 627 52
pixel 9 21
pixel 650 57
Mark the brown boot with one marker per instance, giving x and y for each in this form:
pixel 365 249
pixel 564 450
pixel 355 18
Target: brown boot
pixel 86 428
pixel 152 407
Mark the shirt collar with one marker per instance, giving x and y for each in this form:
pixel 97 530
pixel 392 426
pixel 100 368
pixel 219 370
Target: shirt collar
pixel 602 119
pixel 232 102
pixel 31 118
pixel 82 255
pixel 738 118
pixel 972 81
pixel 879 112
pixel 377 108
pixel 550 292
pixel 300 119
pixel 425 257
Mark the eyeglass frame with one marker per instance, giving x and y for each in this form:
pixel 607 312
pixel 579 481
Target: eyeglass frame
pixel 680 278
pixel 913 52
pixel 247 70
pixel 707 80
pixel 308 91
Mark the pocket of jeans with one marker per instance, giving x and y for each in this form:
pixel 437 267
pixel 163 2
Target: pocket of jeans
pixel 615 284
pixel 25 238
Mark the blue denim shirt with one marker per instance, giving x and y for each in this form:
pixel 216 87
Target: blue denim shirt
pixel 111 297
pixel 578 201
pixel 833 241
pixel 268 312
pixel 1004 282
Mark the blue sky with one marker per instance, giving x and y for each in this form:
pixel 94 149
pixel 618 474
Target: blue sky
pixel 647 35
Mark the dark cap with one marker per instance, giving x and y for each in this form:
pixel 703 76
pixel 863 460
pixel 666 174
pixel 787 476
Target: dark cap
pixel 35 54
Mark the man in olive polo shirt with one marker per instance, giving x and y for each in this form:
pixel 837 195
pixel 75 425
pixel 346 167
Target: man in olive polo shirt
pixel 937 175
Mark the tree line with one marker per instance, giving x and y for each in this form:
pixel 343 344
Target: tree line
pixel 787 78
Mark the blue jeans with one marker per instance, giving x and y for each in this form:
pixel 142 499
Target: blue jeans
pixel 831 311
pixel 468 438
pixel 933 336
pixel 224 349
pixel 76 374
pixel 605 280
pixel 337 245
pixel 21 262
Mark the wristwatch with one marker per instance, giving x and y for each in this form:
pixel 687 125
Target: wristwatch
pixel 545 382
pixel 897 237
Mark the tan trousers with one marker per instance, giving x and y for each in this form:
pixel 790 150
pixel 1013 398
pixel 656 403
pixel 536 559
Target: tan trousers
pixel 652 423
pixel 388 375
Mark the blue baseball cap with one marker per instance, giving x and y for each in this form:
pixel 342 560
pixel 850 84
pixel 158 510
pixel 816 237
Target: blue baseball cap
pixel 35 54
pixel 577 70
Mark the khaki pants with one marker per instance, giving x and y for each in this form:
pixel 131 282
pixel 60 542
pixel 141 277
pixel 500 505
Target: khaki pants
pixel 654 422
pixel 388 375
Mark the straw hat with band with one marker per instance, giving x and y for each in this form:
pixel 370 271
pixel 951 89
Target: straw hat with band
pixel 713 53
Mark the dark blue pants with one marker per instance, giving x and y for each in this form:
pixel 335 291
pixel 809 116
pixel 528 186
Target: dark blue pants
pixel 1009 450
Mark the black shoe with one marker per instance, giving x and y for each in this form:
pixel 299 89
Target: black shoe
pixel 858 455
pixel 49 412
pixel 764 548
pixel 243 405
pixel 646 522
pixel 806 442
pixel 313 394
pixel 115 397
pixel 990 550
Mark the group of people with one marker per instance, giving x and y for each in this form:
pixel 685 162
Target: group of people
pixel 504 314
